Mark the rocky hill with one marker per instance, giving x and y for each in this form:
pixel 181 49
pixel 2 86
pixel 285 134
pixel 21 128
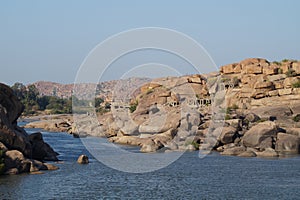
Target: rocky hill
pixel 19 151
pixel 250 108
pixel 103 89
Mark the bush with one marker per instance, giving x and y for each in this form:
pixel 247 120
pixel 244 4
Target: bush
pixel 296 85
pixel 296 118
pixel 291 73
pixel 277 63
pixel 285 60
pixel 280 71
pixel 133 106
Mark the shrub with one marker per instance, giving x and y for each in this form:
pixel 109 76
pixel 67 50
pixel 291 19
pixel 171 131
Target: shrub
pixel 149 91
pixel 194 143
pixel 227 117
pixel 133 106
pixel 296 85
pixel 296 118
pixel 285 60
pixel 291 73
pixel 277 63
pixel 280 71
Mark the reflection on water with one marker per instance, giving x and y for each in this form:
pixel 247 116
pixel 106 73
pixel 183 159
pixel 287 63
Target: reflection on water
pixel 213 177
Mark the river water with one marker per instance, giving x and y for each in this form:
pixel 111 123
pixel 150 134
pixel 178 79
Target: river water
pixel 212 177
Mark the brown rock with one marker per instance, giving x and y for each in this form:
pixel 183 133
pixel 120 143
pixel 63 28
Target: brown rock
pixel 53 167
pixel 252 69
pixel 15 159
pixel 296 67
pixel 233 151
pixel 288 82
pixel 247 153
pixel 83 159
pixel 227 134
pixel 269 152
pixel 287 143
pixel 270 70
pixel 256 134
pixel 40 149
pixel 282 92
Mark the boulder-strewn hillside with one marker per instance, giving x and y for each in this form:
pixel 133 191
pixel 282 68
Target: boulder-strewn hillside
pixel 250 108
pixel 19 151
pixel 104 89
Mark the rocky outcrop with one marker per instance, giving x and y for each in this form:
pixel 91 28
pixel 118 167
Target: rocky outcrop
pixel 242 110
pixel 20 149
pixel 83 159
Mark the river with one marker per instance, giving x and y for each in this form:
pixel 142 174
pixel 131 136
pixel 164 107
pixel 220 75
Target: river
pixel 189 177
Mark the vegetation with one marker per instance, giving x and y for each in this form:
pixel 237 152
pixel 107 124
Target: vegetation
pixel 280 71
pixel 2 166
pixel 194 143
pixel 133 106
pixel 277 63
pixel 291 73
pixel 285 60
pixel 296 118
pixel 296 84
pixel 33 102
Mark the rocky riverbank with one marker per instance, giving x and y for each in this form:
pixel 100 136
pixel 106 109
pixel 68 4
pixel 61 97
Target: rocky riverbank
pixel 250 108
pixel 19 151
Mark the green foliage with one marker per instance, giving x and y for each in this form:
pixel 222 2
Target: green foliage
pixel 227 117
pixel 280 71
pixel 194 143
pixel 291 73
pixel 235 81
pixel 296 118
pixel 33 102
pixel 231 108
pixel 98 102
pixel 277 63
pixel 133 106
pixel 149 91
pixel 285 60
pixel 296 85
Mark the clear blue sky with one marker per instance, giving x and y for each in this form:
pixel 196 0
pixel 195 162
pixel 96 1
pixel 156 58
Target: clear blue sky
pixel 48 40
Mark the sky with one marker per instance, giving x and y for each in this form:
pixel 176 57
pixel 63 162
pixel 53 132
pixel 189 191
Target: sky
pixel 49 40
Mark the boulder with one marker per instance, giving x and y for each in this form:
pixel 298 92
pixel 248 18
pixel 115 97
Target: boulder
pixel 150 146
pixel 40 149
pixel 282 92
pixel 270 70
pixel 234 151
pixel 287 143
pixel 256 134
pixel 293 131
pixel 83 159
pixel 252 117
pixel 252 69
pixel 247 153
pixel 281 111
pixel 15 159
pixel 296 67
pixel 289 81
pixel 269 152
pixel 226 135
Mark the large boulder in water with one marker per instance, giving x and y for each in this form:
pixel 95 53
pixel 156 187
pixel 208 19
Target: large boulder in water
pixel 40 149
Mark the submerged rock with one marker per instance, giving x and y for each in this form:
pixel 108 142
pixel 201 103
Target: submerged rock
pixel 83 159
